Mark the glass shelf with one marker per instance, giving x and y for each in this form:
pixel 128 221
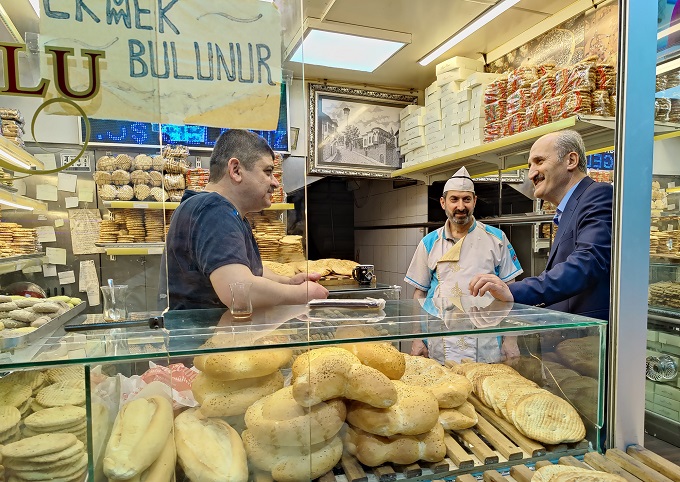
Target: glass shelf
pixel 17 263
pixel 297 326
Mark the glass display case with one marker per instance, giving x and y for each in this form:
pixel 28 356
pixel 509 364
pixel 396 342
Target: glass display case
pixel 220 381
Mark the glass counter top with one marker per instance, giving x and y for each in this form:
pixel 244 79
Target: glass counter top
pixel 185 332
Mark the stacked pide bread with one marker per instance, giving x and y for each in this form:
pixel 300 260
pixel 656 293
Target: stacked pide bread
pixel 534 411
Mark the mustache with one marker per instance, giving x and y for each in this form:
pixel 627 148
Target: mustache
pixel 463 211
pixel 538 178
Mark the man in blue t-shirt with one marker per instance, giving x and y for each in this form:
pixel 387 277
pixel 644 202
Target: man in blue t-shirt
pixel 211 244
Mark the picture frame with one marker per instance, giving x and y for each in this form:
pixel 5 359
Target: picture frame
pixel 367 145
pixel 294 134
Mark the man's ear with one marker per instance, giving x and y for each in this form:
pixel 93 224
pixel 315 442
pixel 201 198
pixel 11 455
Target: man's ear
pixel 572 161
pixel 442 201
pixel 234 169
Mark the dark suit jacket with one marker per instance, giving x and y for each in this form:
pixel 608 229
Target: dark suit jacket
pixel 576 278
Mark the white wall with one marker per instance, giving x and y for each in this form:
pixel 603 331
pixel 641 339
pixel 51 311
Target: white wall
pixel 390 250
pixel 667 157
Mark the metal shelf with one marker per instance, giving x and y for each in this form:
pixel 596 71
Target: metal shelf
pixel 12 200
pixel 132 249
pixel 511 152
pixel 17 263
pixel 140 205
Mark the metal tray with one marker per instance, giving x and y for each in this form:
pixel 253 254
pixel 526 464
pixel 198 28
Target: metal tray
pixel 9 343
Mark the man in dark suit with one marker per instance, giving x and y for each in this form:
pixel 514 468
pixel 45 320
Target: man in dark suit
pixel 576 278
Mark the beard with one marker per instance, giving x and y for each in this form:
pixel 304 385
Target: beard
pixel 456 220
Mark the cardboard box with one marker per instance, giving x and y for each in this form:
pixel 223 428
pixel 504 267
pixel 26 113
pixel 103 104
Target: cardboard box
pixel 454 75
pixel 413 121
pixel 667 391
pixel 432 127
pixel 666 412
pixel 669 339
pixel 449 110
pixel 415 153
pixel 452 136
pixel 463 115
pixel 413 133
pixel 450 88
pixel 464 95
pixel 435 115
pixel 407 111
pixel 480 78
pixel 458 62
pixel 429 90
pixel 435 147
pixel 434 98
pixel 449 99
pixel 416 142
pixel 434 137
pixel 666 402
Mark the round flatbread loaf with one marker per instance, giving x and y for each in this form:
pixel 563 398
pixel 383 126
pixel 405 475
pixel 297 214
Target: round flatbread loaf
pixel 61 374
pixel 548 419
pixel 34 379
pixel 281 269
pixel 47 443
pixel 9 418
pixel 342 267
pixel 56 418
pixel 69 392
pixel 14 394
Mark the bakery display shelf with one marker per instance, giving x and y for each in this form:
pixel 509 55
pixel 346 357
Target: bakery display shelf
pixel 296 326
pixel 511 152
pixel 671 257
pixel 9 199
pixel 492 444
pixel 12 264
pixel 280 207
pixel 140 205
pixel 24 339
pixel 132 249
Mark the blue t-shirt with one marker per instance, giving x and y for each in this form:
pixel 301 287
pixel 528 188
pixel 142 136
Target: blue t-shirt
pixel 206 232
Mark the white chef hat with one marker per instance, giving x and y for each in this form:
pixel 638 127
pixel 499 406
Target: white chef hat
pixel 460 181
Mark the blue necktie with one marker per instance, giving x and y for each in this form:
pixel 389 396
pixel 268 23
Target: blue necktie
pixel 556 219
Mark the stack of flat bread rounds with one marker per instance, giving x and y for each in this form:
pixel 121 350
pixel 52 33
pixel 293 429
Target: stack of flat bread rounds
pixel 565 473
pixel 9 424
pixel 68 392
pixel 281 269
pixel 62 374
pixel 17 396
pixel 290 249
pixel 64 419
pixel 52 456
pixel 535 412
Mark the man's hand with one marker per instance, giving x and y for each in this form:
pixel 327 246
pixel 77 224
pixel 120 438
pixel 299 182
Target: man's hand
pixel 418 348
pixel 300 278
pixel 315 291
pixel 509 348
pixel 489 283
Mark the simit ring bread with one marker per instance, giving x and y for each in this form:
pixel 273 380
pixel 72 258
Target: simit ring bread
pixel 333 375
pixel 279 420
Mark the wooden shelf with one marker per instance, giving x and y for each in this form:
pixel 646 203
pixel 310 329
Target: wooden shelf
pixel 280 207
pixel 512 152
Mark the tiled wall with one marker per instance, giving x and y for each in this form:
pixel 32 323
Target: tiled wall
pixel 376 203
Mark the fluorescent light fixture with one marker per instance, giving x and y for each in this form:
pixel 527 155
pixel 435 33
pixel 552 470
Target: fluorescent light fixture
pixel 15 155
pixel 469 29
pixel 344 46
pixel 36 6
pixel 11 204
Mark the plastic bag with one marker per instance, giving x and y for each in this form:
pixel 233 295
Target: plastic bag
pixel 495 111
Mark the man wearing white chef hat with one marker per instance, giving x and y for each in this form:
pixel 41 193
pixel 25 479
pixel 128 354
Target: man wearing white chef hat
pixel 447 259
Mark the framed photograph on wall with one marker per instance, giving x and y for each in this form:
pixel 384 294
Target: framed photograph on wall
pixel 354 132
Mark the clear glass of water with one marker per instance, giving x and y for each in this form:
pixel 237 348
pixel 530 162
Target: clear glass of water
pixel 241 307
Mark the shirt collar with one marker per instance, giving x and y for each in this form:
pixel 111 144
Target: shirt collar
pixel 447 228
pixel 563 203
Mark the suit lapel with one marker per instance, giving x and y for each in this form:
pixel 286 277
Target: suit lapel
pixel 566 218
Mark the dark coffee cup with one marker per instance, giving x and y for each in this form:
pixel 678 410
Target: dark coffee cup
pixel 363 274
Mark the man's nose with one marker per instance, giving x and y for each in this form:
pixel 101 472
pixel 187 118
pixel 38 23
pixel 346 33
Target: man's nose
pixel 275 182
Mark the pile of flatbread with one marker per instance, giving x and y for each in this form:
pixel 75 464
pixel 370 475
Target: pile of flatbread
pixel 325 267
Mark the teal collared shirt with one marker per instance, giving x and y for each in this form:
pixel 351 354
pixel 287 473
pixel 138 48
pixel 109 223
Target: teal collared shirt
pixel 563 204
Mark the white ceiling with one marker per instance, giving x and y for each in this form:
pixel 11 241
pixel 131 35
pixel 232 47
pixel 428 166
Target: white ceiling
pixel 429 22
